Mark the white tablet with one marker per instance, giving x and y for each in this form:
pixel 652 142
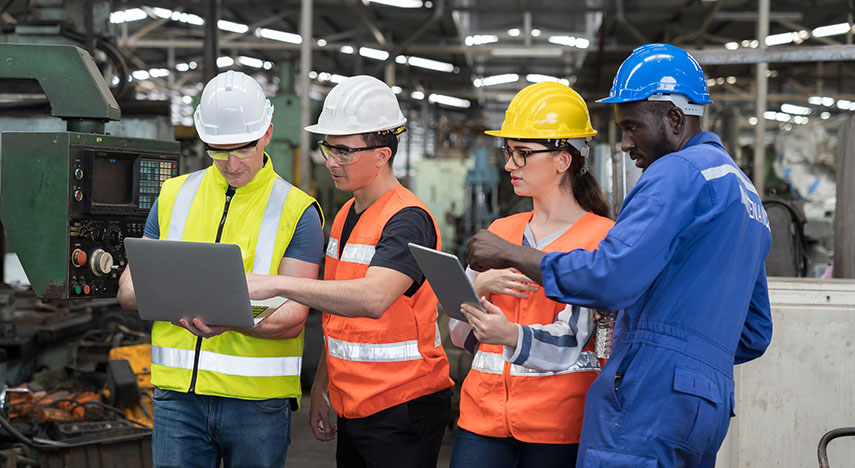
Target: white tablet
pixel 447 279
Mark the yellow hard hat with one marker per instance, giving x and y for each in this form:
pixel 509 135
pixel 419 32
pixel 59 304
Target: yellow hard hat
pixel 545 111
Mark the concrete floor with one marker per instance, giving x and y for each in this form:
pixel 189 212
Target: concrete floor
pixel 308 452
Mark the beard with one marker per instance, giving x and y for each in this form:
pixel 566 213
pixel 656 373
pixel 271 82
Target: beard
pixel 662 146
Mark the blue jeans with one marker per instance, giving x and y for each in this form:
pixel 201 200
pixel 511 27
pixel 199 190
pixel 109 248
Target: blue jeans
pixel 476 451
pixel 199 431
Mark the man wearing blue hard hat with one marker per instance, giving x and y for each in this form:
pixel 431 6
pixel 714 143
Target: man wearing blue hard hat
pixel 684 263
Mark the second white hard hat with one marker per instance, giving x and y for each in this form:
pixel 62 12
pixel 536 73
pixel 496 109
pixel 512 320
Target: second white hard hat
pixel 359 104
pixel 233 110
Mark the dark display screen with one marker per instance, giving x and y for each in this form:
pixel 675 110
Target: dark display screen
pixel 112 180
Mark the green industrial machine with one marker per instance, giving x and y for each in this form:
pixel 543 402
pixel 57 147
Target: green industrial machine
pixel 68 199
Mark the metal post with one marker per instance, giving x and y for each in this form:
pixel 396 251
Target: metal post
pixel 762 94
pixel 212 39
pixel 305 114
pixel 844 211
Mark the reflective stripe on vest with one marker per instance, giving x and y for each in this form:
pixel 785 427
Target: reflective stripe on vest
pixel 227 364
pixel 365 352
pixel 332 248
pixel 269 221
pixel 183 202
pixel 494 363
pixel 269 226
pixel 357 253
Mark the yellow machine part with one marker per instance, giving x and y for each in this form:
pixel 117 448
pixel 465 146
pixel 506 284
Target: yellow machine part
pixel 139 356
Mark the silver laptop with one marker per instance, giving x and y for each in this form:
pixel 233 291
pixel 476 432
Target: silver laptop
pixel 175 279
pixel 447 279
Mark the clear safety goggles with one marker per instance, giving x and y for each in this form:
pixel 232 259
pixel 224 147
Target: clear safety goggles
pixel 343 155
pixel 241 152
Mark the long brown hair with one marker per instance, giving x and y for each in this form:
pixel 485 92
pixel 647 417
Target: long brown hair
pixel 586 188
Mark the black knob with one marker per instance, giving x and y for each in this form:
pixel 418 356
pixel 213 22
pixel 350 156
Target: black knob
pixel 115 237
pixel 84 231
pixel 99 234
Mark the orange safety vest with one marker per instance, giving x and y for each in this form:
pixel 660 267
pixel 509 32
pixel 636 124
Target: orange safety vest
pixel 375 364
pixel 500 399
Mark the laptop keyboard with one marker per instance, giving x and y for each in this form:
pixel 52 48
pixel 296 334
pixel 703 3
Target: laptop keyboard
pixel 257 310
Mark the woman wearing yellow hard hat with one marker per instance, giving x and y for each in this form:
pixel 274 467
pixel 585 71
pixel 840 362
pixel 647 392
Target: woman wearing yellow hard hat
pixel 521 404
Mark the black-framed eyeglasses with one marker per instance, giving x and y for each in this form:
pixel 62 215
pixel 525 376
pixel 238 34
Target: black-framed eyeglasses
pixel 242 152
pixel 520 155
pixel 343 155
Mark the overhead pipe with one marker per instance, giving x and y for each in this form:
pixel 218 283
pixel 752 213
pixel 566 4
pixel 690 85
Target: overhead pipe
pixel 620 16
pixel 762 101
pixel 438 12
pixel 305 163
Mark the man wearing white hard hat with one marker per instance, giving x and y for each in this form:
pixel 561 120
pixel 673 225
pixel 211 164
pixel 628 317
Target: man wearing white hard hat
pixel 384 372
pixel 224 394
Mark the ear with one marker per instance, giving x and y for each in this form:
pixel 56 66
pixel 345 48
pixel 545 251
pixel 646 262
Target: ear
pixel 562 159
pixel 383 155
pixel 676 119
pixel 267 135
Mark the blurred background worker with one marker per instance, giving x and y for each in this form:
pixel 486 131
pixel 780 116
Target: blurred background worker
pixel 521 404
pixel 384 371
pixel 223 393
pixel 685 260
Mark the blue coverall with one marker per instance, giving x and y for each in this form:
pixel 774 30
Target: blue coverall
pixel 685 265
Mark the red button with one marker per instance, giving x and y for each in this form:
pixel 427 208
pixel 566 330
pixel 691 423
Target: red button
pixel 78 258
pixel 86 289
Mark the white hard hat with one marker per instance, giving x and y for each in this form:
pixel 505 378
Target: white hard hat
pixel 359 104
pixel 233 110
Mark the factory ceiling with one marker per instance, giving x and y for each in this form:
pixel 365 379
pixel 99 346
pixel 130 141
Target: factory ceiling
pixel 470 53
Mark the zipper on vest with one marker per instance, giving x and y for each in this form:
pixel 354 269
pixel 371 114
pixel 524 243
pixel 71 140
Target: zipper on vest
pixel 229 194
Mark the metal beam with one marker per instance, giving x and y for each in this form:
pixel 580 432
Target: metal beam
pixel 830 53
pixel 305 108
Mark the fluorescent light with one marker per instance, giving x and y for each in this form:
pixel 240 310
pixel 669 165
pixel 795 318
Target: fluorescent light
pixel 426 63
pixel 250 61
pixel 398 3
pixel 731 46
pixel 794 109
pixel 158 72
pixel 126 16
pixel 346 49
pixel 496 80
pixel 831 30
pixel 225 61
pixel 731 80
pixel 140 75
pixel 323 76
pixel 514 32
pixel 752 120
pixel 535 32
pixel 754 43
pixel 480 39
pixel 267 65
pixel 182 67
pixel 396 89
pixel 418 95
pixel 322 42
pixel 815 100
pixel 449 101
pixel 821 100
pixel 313 74
pixel 375 54
pixel 277 35
pixel 538 78
pixel 232 27
pixel 570 41
pixel 711 82
pixel 162 12
pixel 187 99
pixel 778 39
pixel 844 104
pixel 178 16
pixel 527 52
pixel 800 120
pixel 825 115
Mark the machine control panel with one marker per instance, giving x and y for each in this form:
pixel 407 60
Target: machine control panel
pixel 98 254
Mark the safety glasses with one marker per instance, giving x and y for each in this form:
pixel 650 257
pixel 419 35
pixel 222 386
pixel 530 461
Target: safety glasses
pixel 520 155
pixel 343 155
pixel 241 152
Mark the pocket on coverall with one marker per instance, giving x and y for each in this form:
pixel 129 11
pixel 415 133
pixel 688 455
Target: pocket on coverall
pixel 604 459
pixel 691 419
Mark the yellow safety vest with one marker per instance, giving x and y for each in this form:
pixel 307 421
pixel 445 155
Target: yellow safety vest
pixel 262 216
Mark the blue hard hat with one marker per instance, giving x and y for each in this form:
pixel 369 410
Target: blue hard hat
pixel 659 69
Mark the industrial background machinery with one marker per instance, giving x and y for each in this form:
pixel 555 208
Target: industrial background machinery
pixel 68 199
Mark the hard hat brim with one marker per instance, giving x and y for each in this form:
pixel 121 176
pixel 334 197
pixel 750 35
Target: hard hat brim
pixel 545 135
pixel 321 130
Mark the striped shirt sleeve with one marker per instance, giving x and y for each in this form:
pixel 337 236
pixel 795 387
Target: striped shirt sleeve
pixel 555 346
